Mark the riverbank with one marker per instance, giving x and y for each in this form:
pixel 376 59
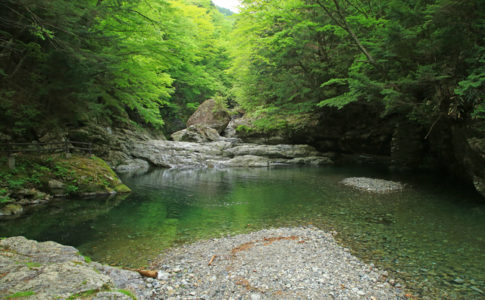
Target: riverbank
pixel 279 263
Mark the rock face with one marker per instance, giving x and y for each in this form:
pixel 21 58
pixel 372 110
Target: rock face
pixel 111 143
pixel 208 114
pixel 170 154
pixel 49 270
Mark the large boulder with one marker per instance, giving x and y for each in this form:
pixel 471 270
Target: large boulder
pixel 211 115
pixel 34 270
pixel 196 133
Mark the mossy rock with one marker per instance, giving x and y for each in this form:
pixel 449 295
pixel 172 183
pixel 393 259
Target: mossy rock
pixel 122 189
pixel 88 175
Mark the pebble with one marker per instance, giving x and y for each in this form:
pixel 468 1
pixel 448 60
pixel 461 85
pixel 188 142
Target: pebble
pixel 289 263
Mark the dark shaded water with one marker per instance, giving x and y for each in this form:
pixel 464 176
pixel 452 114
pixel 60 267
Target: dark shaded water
pixel 430 236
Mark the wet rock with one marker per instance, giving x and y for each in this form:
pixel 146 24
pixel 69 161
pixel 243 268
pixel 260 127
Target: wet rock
pixel 210 115
pixel 373 185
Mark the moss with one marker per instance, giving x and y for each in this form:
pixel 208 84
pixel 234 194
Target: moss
pixel 84 294
pixel 78 174
pixel 20 295
pixel 127 293
pixel 122 189
pixel 33 265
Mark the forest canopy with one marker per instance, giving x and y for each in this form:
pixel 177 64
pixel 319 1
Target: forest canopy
pixel 71 62
pixel 151 63
pixel 423 59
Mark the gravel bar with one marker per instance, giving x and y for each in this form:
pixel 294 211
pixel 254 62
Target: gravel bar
pixel 283 263
pixel 373 185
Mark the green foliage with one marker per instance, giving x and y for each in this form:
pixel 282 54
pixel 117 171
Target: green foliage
pixel 66 62
pixel 127 293
pixel 4 197
pixel 422 59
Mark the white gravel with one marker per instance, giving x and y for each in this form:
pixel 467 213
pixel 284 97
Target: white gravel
pixel 284 263
pixel 373 185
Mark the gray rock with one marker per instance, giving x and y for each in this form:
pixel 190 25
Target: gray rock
pixel 133 166
pixel 196 133
pixel 225 153
pixel 50 271
pixel 56 188
pixel 161 275
pixel 210 115
pixel 248 161
pixel 55 184
pixel 280 151
pixel 111 296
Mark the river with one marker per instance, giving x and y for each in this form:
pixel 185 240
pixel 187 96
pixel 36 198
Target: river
pixel 430 237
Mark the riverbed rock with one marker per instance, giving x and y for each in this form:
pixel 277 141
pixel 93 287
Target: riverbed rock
pixel 172 154
pixel 49 270
pixel 196 133
pixel 373 185
pixel 209 114
pixel 283 151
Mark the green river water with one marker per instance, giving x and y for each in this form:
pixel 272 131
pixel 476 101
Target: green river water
pixel 430 237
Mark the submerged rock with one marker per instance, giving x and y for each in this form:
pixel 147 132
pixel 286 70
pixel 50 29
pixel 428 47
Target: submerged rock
pixel 49 270
pixel 373 185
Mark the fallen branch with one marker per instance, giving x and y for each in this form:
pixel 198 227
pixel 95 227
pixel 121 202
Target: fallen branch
pixel 212 260
pixel 147 273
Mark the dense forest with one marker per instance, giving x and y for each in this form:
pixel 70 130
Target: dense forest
pixel 64 63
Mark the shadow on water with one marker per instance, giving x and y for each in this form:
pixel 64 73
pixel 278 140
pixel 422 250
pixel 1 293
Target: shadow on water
pixel 430 236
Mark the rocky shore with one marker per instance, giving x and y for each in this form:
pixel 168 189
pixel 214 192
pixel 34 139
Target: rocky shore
pixel 284 263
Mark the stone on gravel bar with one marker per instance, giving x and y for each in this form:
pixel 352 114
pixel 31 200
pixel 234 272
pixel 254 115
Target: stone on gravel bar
pixel 373 185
